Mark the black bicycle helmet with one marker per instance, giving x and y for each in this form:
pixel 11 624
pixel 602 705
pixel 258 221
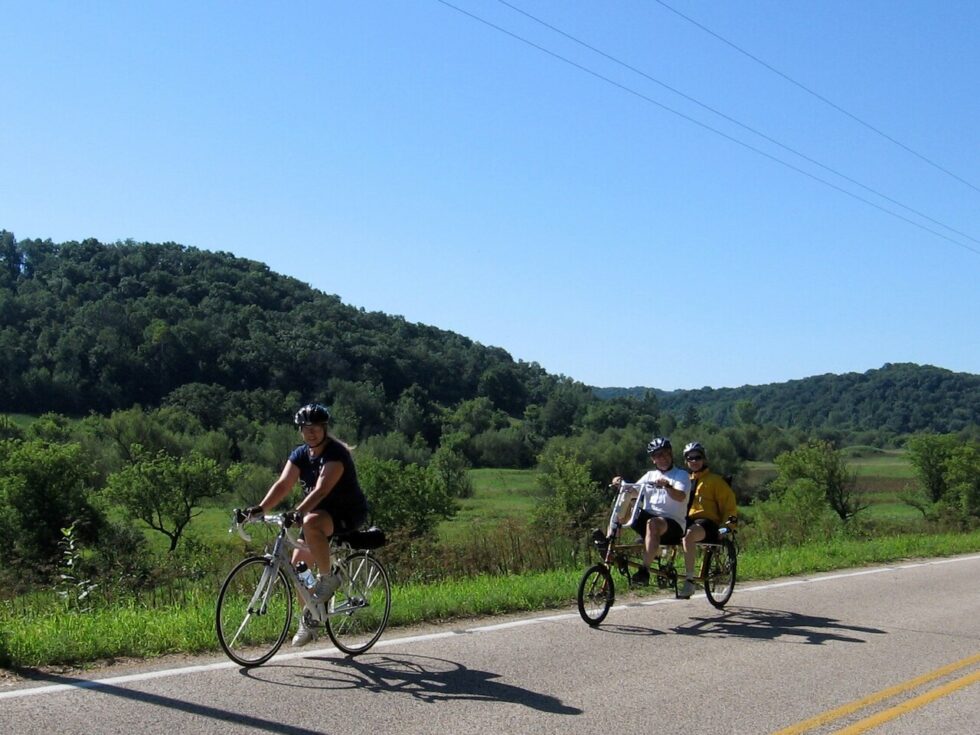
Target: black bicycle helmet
pixel 312 413
pixel 695 447
pixel 658 443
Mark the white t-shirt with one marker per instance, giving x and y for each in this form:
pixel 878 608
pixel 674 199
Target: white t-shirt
pixel 656 500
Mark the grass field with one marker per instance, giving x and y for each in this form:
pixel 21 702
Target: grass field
pixel 498 494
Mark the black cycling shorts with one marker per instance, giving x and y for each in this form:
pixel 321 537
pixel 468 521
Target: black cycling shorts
pixel 710 529
pixel 672 535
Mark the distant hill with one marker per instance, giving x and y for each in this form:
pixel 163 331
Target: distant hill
pixel 901 398
pixel 86 326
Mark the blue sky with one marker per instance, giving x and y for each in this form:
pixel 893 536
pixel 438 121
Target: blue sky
pixel 416 161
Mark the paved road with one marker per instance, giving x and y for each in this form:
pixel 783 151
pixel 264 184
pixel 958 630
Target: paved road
pixel 781 654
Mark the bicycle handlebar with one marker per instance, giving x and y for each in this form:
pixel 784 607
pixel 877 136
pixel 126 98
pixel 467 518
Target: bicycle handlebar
pixel 239 518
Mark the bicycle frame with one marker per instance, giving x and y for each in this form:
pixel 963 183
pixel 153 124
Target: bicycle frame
pixel 280 559
pixel 621 556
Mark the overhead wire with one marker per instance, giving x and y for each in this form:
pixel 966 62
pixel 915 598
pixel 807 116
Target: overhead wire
pixel 819 96
pixel 732 120
pixel 705 126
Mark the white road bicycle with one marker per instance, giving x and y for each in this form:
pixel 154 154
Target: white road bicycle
pixel 255 605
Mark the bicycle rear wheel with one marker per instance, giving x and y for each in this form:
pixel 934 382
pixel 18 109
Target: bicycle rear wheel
pixel 253 613
pixel 720 580
pixel 359 609
pixel 596 593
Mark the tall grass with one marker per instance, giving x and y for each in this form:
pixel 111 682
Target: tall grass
pixel 37 630
pixel 489 560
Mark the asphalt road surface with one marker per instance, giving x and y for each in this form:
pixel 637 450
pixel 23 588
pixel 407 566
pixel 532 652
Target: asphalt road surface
pixel 892 649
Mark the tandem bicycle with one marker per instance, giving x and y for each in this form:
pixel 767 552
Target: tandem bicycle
pixel 255 605
pixel 597 590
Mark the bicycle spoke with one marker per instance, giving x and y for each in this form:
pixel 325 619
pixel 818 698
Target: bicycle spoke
pixel 253 612
pixel 358 612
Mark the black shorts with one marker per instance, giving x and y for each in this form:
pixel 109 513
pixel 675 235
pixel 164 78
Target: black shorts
pixel 344 519
pixel 672 535
pixel 710 529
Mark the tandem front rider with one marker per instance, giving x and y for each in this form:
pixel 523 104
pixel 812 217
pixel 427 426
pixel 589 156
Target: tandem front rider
pixel 332 498
pixel 660 520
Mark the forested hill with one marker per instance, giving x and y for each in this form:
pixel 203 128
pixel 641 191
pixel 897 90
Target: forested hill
pixel 86 326
pixel 900 398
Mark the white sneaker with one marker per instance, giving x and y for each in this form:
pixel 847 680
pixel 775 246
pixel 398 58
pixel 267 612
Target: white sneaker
pixel 325 587
pixel 303 634
pixel 687 590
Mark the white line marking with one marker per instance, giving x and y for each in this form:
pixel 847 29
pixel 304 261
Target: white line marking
pixel 308 653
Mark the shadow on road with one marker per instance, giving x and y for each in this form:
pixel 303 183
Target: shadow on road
pixel 750 622
pixel 201 710
pixel 424 678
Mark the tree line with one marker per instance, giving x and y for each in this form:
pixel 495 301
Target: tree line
pixel 872 407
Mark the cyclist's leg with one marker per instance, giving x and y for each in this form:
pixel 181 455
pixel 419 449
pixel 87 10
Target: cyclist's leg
pixel 695 533
pixel 656 527
pixel 317 530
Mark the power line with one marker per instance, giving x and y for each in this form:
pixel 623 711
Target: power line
pixel 819 96
pixel 734 121
pixel 700 124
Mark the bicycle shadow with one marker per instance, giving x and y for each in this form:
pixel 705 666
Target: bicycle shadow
pixel 766 624
pixel 228 718
pixel 425 678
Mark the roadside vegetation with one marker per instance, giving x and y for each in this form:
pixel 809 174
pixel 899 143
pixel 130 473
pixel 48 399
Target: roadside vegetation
pixel 147 389
pixel 512 546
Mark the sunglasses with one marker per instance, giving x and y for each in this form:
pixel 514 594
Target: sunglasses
pixel 695 458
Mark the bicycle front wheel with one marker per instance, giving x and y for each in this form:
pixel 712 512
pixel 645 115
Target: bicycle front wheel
pixel 359 609
pixel 255 606
pixel 596 593
pixel 720 580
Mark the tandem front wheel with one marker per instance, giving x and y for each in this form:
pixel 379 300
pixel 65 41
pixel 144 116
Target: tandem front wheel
pixel 596 593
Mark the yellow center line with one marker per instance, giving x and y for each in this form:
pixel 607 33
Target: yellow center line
pixel 847 709
pixel 905 707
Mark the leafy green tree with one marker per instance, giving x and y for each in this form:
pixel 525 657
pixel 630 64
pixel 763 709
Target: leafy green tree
pixel 395 445
pixel 824 466
pixel 928 454
pixel 404 497
pixel 614 452
pixel 505 447
pixel 948 470
pixel 44 487
pixel 414 414
pixel 502 385
pixel 165 492
pixel 963 479
pixel 572 498
pixel 451 469
pixel 796 512
pixel 359 406
pixel 563 408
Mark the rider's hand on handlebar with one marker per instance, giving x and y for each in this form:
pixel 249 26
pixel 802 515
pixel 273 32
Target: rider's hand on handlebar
pixel 617 481
pixel 293 518
pixel 254 511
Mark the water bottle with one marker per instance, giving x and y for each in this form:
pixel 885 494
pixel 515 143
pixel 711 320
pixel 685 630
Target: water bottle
pixel 305 575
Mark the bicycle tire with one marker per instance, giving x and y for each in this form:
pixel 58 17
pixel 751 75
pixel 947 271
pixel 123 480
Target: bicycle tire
pixel 360 607
pixel 596 593
pixel 722 566
pixel 251 636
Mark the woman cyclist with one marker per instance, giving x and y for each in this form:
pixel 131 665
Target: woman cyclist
pixel 332 498
pixel 712 504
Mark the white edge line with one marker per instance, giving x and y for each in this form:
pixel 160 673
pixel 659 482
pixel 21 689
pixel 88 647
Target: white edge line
pixel 306 653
